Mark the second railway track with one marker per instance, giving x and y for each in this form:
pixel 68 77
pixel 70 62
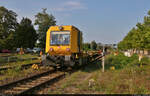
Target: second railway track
pixel 22 66
pixel 31 84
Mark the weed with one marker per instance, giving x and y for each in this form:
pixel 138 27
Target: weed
pixel 141 90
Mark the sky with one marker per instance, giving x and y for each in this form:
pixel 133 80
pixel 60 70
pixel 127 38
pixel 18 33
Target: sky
pixel 105 21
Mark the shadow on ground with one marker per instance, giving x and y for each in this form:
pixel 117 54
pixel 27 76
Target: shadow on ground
pixel 94 66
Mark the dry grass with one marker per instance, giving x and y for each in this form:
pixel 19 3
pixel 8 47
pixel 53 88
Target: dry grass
pixel 19 63
pixel 15 57
pixel 17 73
pixel 26 56
pixel 129 80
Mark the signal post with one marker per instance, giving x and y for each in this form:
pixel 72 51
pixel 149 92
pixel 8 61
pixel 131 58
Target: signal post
pixel 103 59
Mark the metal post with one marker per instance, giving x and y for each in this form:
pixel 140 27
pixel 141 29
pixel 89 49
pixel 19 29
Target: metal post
pixel 8 59
pixel 103 60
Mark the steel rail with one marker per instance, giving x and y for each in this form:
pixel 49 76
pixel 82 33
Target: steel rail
pixel 14 83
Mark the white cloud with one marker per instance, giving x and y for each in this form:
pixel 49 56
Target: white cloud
pixel 73 3
pixel 69 6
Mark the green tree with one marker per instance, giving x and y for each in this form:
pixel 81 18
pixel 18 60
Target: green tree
pixel 86 46
pixel 93 45
pixel 8 25
pixel 43 20
pixel 138 38
pixel 25 35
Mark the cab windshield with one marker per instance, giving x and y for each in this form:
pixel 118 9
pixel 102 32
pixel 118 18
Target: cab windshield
pixel 60 38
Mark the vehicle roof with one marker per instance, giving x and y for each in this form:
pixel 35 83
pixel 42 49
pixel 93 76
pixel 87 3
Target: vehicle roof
pixel 64 26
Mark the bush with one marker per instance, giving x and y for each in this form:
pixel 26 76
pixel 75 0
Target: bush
pixel 121 61
pixel 145 60
pixel 133 60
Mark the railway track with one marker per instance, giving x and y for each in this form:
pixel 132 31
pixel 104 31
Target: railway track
pixel 8 59
pixel 22 66
pixel 34 83
pixel 31 84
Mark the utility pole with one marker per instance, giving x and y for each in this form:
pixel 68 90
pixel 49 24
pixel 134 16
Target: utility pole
pixel 103 59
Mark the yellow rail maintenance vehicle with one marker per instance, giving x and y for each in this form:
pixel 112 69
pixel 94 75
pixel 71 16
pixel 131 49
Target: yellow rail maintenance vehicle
pixel 64 47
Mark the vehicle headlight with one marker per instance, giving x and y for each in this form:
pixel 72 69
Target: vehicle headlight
pixel 68 49
pixel 51 49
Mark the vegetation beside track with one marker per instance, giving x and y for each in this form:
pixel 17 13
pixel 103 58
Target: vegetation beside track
pixel 26 56
pixel 127 78
pixel 19 63
pixel 17 73
pixel 15 57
